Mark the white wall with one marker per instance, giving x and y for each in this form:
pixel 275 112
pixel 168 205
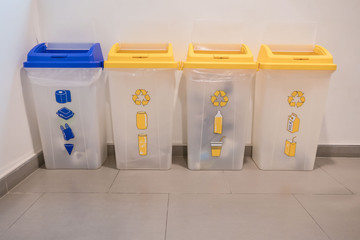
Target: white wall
pixel 19 138
pixel 108 21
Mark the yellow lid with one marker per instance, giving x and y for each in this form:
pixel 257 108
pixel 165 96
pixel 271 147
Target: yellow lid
pixel 234 56
pixel 316 59
pixel 141 56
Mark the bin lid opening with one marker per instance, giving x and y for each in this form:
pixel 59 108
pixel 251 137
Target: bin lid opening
pixel 65 55
pixel 141 55
pixel 219 56
pixel 295 57
pixel 142 48
pixel 219 48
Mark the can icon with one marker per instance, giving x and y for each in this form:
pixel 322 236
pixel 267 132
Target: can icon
pixel 142 139
pixel 141 120
pixel 290 147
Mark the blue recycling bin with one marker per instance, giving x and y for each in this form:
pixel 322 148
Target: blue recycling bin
pixel 68 86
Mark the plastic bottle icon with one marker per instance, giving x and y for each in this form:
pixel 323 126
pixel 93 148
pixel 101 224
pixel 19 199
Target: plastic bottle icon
pixel 293 123
pixel 142 139
pixel 290 147
pixel 141 120
pixel 218 123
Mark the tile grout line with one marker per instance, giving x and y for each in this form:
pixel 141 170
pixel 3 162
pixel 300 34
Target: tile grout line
pixel 26 210
pixel 23 180
pixel 336 180
pixel 113 181
pixel 227 182
pixel 167 215
pixel 311 217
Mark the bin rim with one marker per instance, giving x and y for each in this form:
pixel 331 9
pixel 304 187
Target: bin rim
pixel 141 55
pixel 317 59
pixel 240 57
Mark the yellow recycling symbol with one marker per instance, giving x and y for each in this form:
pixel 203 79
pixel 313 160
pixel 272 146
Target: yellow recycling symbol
pixel 299 102
pixel 141 96
pixel 219 98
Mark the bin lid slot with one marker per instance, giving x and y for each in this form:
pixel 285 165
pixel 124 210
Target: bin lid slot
pixel 219 48
pixel 142 48
pixel 68 46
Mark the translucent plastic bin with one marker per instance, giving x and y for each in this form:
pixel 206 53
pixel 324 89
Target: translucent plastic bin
pixel 219 81
pixel 142 90
pixel 68 86
pixel 291 91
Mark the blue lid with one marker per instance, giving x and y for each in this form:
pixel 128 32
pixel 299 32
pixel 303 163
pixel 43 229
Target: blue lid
pixel 65 55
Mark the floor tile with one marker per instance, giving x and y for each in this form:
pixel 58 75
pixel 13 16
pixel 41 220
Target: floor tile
pixel 12 206
pixel 93 216
pixel 344 170
pixel 252 180
pixel 45 180
pixel 179 162
pixel 337 215
pixel 234 216
pixel 176 180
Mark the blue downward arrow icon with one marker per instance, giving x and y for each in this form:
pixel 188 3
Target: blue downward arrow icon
pixel 69 148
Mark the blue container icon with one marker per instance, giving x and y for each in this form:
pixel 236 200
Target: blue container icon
pixel 63 96
pixel 65 113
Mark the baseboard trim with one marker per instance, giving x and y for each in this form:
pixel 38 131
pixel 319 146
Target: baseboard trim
pixel 19 174
pixel 338 151
pixel 322 150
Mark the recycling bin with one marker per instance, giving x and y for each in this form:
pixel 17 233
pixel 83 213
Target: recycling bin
pixel 219 83
pixel 290 97
pixel 68 86
pixel 142 94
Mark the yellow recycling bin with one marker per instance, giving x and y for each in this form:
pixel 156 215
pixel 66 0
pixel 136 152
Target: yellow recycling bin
pixel 290 96
pixel 219 79
pixel 142 90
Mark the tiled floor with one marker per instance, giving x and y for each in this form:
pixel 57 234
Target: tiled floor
pixel 182 204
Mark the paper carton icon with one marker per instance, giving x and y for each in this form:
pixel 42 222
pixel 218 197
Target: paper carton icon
pixel 293 123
